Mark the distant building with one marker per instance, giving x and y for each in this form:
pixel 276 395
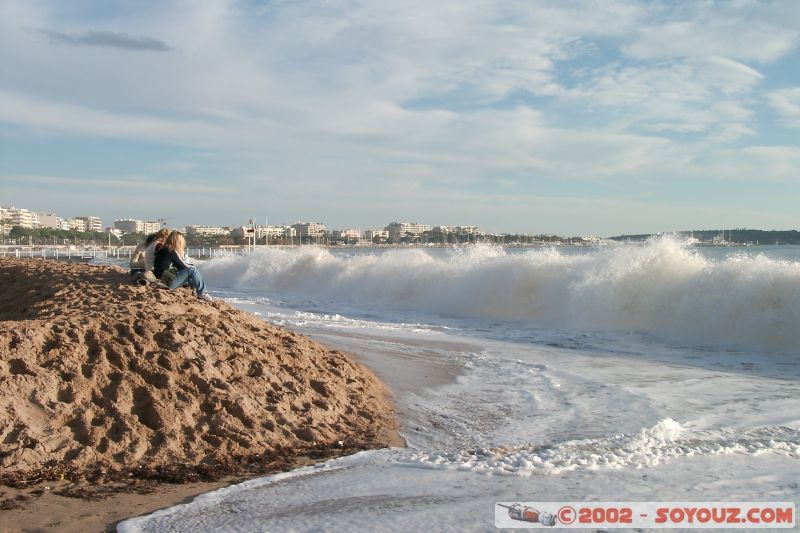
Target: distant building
pixel 75 224
pixel 348 235
pixel 91 223
pixel 13 216
pixel 275 232
pixel 207 231
pixel 50 220
pixel 440 233
pixel 372 234
pixel 398 230
pixel 127 225
pixel 132 225
pixel 454 234
pixel 240 232
pixel 290 234
pixel 468 230
pixel 309 229
pixel 151 227
pixel 457 230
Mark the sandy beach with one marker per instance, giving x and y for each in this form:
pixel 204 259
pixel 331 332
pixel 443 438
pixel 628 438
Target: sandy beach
pixel 120 399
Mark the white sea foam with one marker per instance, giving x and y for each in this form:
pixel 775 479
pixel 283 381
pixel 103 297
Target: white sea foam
pixel 300 318
pixel 664 287
pixel 649 447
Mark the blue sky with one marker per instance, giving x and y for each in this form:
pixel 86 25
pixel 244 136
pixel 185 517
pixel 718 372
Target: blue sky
pixel 591 117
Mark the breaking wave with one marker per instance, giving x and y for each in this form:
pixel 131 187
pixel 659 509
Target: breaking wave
pixel 652 446
pixel 665 287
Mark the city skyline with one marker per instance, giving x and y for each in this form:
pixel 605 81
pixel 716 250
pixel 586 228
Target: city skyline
pixel 23 217
pixel 538 117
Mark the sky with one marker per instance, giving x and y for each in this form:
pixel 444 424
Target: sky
pixel 598 117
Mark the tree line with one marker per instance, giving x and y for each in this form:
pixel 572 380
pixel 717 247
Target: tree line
pixel 51 236
pixel 43 236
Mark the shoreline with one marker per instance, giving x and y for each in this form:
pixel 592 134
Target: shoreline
pixel 66 507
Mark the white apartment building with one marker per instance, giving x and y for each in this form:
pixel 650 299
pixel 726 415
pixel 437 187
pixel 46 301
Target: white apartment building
pixel 13 216
pixel 76 224
pixel 370 234
pixel 468 230
pixel 459 230
pixel 151 227
pixel 206 231
pixel 132 225
pixel 398 230
pixel 349 234
pixel 275 232
pixel 309 229
pixel 91 223
pixel 261 232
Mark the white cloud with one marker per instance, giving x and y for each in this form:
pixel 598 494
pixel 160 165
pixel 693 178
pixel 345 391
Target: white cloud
pixel 692 95
pixel 743 30
pixel 786 103
pixel 116 184
pixel 420 49
pixel 69 119
pixel 345 67
pixel 756 163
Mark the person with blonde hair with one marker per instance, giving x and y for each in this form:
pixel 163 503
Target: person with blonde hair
pixel 172 268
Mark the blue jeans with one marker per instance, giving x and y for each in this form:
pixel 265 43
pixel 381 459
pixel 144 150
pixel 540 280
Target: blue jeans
pixel 191 277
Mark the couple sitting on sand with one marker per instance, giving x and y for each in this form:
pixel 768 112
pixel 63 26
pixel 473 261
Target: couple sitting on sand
pixel 163 257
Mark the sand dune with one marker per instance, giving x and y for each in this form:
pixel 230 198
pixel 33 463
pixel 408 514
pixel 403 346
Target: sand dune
pixel 98 373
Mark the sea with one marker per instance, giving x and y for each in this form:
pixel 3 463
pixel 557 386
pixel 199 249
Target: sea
pixel 659 372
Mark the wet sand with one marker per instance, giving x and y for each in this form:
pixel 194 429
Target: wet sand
pixel 39 508
pixel 402 364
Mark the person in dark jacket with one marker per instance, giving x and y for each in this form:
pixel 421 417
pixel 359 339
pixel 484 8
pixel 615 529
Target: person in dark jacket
pixel 173 256
pixel 153 246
